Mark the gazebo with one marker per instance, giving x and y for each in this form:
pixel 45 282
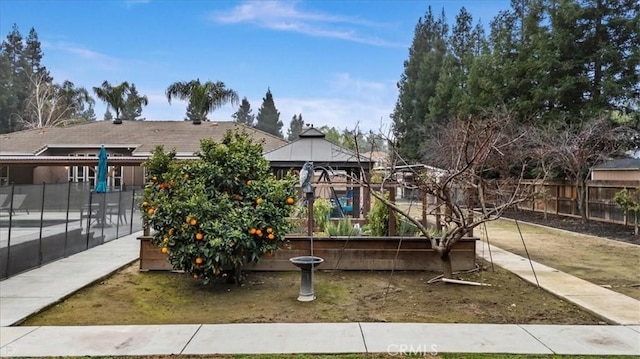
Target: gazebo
pixel 337 169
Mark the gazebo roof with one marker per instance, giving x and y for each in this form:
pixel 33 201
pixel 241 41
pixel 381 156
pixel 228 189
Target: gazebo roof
pixel 313 146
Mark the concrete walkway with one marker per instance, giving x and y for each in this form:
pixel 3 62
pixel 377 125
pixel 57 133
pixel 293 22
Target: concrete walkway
pixel 613 307
pixel 32 291
pixel 393 338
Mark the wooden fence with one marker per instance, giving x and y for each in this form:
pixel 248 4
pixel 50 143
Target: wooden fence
pixel 561 198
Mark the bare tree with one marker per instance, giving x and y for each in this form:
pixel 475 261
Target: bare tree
pixel 50 105
pixel 579 147
pixel 475 172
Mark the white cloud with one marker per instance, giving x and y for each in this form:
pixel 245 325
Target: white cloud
pixel 285 16
pixel 348 85
pixel 87 55
pixel 336 112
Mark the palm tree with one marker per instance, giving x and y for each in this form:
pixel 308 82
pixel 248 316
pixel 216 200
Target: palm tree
pixel 114 96
pixel 203 97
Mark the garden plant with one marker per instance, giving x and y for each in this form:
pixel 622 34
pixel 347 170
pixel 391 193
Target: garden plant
pixel 220 211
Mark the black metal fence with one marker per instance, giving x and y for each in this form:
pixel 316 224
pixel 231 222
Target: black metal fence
pixel 46 222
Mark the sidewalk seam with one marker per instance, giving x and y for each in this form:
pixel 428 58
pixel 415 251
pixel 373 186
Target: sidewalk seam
pixel 364 340
pixel 536 338
pixel 20 337
pixel 190 339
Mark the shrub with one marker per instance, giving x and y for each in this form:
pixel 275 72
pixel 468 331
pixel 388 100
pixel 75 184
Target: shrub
pixel 321 210
pixel 216 213
pixel 408 229
pixel 342 228
pixel 378 219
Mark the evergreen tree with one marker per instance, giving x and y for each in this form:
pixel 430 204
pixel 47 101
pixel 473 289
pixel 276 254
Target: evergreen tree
pixel 244 115
pixel 77 101
pixel 108 116
pixel 14 86
pixel 133 105
pixel 417 84
pixel 19 62
pixel 33 56
pixel 331 134
pixel 295 127
pixel 268 119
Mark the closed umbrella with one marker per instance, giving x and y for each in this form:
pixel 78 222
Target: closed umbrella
pixel 101 184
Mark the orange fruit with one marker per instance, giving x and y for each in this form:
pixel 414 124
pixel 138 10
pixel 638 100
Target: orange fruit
pixel 259 233
pixel 171 231
pixel 271 236
pixel 154 179
pixel 151 211
pixel 165 240
pixel 259 201
pixel 269 230
pixel 198 260
pixel 252 231
pixel 249 183
pixel 290 200
pixel 145 204
pixel 199 236
pixel 164 250
pixel 193 222
pixel 186 176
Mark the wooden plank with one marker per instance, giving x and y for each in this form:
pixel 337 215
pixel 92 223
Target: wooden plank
pixel 340 254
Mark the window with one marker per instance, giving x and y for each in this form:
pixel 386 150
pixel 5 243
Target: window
pixel 87 174
pixel 4 176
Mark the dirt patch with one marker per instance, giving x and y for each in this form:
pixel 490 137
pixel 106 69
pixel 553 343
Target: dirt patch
pixel 613 231
pixel 133 297
pixel 599 261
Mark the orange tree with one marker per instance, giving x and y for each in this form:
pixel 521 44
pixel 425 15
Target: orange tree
pixel 213 214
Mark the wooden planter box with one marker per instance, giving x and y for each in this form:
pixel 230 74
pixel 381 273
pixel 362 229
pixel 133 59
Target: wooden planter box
pixel 343 253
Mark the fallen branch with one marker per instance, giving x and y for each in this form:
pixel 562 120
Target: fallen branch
pixel 447 280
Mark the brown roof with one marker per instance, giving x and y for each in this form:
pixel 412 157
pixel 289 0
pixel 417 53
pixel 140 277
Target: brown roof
pixel 141 137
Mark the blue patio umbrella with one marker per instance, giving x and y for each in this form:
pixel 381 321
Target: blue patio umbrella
pixel 101 184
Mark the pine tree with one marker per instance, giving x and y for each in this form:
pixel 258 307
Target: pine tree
pixel 417 84
pixel 268 119
pixel 14 88
pixel 133 105
pixel 108 116
pixel 295 127
pixel 244 115
pixel 33 56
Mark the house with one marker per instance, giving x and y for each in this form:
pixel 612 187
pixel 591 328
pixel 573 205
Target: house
pixel 623 169
pixel 63 154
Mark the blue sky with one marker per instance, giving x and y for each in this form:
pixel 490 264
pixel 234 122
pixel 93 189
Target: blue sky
pixel 336 62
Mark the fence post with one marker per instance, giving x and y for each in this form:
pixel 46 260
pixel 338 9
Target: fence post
pixel 133 203
pixel 41 220
pixel 118 219
pixel 66 227
pixel 392 214
pixel 13 187
pixel 104 215
pixel 89 213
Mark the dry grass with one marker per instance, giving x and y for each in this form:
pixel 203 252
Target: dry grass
pixel 133 297
pixel 597 260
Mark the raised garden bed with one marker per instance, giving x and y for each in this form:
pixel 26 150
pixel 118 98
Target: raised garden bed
pixel 343 253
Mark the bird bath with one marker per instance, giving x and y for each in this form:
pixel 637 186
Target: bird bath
pixel 306 265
